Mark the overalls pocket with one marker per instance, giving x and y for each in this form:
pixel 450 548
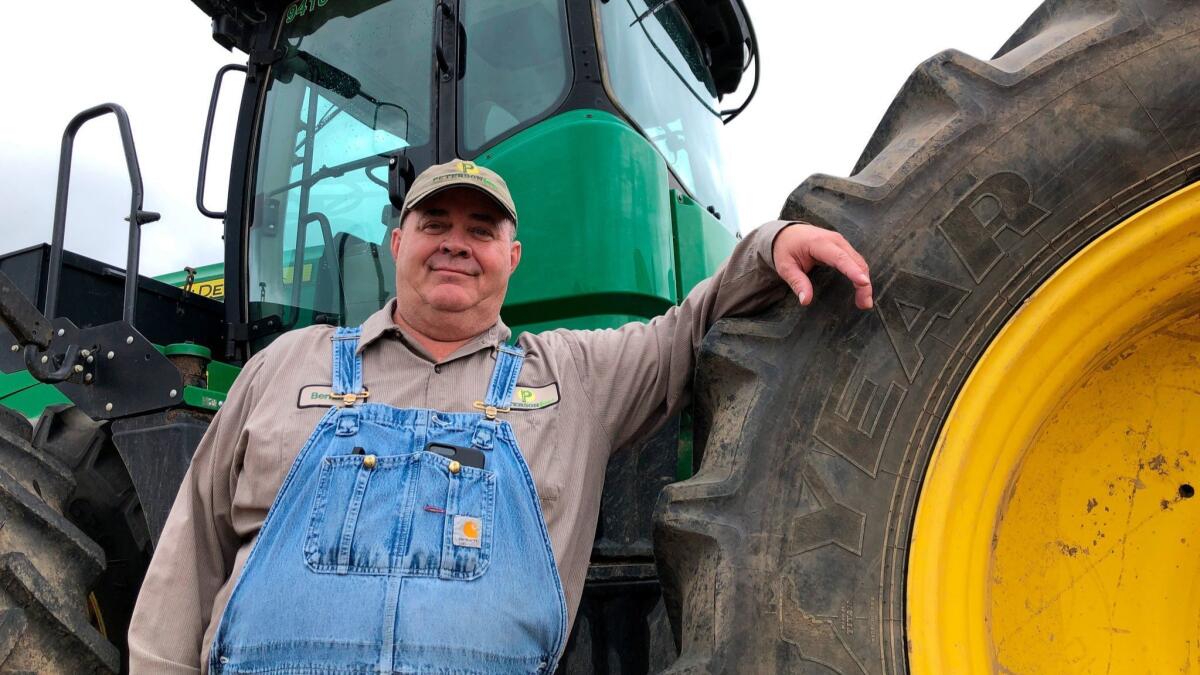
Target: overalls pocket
pixel 453 519
pixel 358 520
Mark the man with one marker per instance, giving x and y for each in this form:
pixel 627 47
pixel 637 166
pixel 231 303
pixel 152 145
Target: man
pixel 383 498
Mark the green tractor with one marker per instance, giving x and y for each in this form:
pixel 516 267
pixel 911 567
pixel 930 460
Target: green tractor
pixel 604 119
pixel 993 471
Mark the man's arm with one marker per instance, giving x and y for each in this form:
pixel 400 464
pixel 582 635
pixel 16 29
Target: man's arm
pixel 637 376
pixel 195 553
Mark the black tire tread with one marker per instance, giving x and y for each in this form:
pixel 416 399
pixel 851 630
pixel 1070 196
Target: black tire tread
pixel 47 568
pixel 713 547
pixel 105 505
pixel 15 423
pixel 38 472
pixel 57 637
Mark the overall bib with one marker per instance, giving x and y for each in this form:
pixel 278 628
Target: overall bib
pixel 379 556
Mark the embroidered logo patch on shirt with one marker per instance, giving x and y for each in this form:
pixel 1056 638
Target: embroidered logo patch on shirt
pixel 468 531
pixel 316 396
pixel 534 398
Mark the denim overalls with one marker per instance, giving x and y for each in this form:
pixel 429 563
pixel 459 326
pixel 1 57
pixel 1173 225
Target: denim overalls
pixel 379 556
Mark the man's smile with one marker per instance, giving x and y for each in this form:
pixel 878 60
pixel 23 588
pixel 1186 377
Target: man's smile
pixel 449 270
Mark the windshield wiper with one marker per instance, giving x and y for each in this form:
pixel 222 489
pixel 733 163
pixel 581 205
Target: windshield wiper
pixel 328 76
pixel 317 71
pixel 368 162
pixel 651 10
pixel 639 22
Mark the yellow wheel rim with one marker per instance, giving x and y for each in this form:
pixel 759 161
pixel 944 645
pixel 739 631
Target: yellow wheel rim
pixel 1057 529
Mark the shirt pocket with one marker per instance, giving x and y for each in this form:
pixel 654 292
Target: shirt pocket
pixel 453 519
pixel 542 458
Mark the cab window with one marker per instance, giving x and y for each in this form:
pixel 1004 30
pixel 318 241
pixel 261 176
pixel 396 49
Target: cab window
pixel 656 73
pixel 517 67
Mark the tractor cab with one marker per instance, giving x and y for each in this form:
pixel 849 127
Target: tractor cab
pixel 603 116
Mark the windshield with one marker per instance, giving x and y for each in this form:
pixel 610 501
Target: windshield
pixel 657 74
pixel 355 85
pixel 357 82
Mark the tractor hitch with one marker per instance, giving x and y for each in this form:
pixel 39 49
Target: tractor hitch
pixel 33 332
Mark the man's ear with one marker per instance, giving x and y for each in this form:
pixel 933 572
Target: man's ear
pixel 395 243
pixel 514 256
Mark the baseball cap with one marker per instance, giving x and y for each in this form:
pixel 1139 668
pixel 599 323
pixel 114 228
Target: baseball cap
pixel 459 173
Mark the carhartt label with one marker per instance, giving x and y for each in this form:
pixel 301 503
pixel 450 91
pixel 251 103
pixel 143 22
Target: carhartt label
pixel 534 398
pixel 316 396
pixel 468 531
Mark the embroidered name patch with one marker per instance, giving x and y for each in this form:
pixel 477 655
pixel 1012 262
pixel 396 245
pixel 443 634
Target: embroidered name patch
pixel 316 396
pixel 534 398
pixel 468 531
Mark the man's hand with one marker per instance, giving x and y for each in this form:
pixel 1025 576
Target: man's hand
pixel 800 247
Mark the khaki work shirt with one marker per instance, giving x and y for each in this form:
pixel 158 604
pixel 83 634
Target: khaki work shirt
pixel 598 391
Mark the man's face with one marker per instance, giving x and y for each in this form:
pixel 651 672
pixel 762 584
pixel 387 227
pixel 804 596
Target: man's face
pixel 454 254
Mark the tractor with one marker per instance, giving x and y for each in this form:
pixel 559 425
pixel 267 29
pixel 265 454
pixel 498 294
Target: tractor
pixel 993 471
pixel 342 103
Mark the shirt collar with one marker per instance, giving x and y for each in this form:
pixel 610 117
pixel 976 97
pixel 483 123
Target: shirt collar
pixel 381 323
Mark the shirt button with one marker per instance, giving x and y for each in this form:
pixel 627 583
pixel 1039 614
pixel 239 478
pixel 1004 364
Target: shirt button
pixel 437 368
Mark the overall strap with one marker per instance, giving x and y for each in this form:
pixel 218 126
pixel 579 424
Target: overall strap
pixel 347 365
pixel 499 393
pixel 504 377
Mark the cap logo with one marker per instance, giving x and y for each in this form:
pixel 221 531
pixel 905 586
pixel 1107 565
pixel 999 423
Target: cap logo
pixel 473 174
pixel 460 172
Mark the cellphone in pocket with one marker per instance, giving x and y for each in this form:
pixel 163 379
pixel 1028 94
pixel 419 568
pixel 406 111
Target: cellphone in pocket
pixel 464 456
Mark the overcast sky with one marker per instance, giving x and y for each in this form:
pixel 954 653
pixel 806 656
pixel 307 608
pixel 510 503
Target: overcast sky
pixel 829 71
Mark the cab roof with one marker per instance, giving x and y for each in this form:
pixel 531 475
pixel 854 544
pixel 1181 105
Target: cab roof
pixel 722 27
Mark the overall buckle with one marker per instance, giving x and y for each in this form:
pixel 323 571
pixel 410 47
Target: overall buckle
pixel 351 398
pixel 489 411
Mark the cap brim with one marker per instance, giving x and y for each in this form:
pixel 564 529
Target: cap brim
pixel 414 200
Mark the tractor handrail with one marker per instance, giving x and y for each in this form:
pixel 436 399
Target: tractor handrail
pixel 137 217
pixel 208 127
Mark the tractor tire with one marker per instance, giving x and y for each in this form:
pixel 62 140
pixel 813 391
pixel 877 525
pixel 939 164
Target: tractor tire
pixel 47 565
pixel 787 552
pixel 105 506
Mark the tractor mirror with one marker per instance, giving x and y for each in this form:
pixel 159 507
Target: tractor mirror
pixel 400 177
